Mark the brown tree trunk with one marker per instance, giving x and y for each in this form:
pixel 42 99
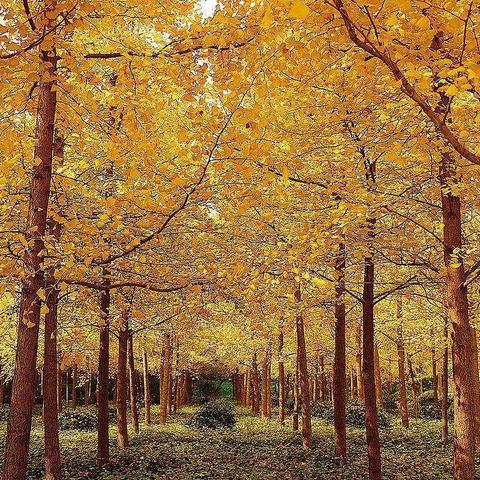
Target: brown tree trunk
pixel 339 365
pixel 402 385
pixel 266 385
pixel 368 370
pixel 413 384
pixel 378 379
pixel 477 385
pixel 256 386
pixel 165 386
pixel 358 364
pixel 457 300
pixel 434 372
pixel 122 425
pixel 146 390
pixel 103 454
pixel 281 381
pixel 23 387
pixel 88 384
pixel 133 384
pixel 445 386
pixel 296 397
pixel 74 386
pixel 50 377
pixel 59 387
pixel 303 375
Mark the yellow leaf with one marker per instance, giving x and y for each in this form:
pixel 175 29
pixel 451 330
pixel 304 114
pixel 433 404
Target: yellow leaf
pixel 267 19
pixel 299 10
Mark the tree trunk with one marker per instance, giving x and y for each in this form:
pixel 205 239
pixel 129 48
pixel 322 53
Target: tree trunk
pixel 256 386
pixel 378 379
pixel 303 375
pixel 457 300
pixel 339 365
pixel 296 399
pixel 50 377
pixel 402 386
pixel 103 454
pixel 165 387
pixel 59 387
pixel 23 387
pixel 358 364
pixel 434 371
pixel 413 384
pixel 281 381
pixel 74 386
pixel 122 425
pixel 133 384
pixel 368 372
pixel 445 386
pixel 146 390
pixel 477 385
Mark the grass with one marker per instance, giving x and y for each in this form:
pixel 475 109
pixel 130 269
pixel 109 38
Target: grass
pixel 255 449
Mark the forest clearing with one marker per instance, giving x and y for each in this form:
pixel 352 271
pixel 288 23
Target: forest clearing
pixel 239 239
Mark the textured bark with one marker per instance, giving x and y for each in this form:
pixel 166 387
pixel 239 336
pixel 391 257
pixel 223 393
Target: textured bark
pixel 358 364
pixel 413 384
pixel 402 386
pixel 74 386
pixel 296 400
pixel 434 371
pixel 462 352
pixel 23 387
pixel 133 384
pixel 146 390
pixel 378 379
pixel 50 377
pixel 266 387
pixel 103 454
pixel 88 383
pixel 165 386
pixel 281 381
pixel 477 385
pixel 122 425
pixel 368 372
pixel 445 386
pixel 256 386
pixel 339 365
pixel 303 375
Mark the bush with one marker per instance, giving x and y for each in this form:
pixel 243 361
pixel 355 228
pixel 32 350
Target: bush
pixel 74 420
pixel 356 416
pixel 322 410
pixel 214 414
pixel 429 410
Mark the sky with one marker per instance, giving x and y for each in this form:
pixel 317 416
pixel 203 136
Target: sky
pixel 208 7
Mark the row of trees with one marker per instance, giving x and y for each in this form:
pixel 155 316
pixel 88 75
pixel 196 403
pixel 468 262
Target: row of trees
pixel 293 165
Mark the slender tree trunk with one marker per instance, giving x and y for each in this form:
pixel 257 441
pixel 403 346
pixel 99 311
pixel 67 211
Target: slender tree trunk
pixel 88 384
pixel 103 455
pixel 402 385
pixel 358 363
pixel 434 371
pixel 457 300
pixel 23 387
pixel 59 387
pixel 265 385
pixel 296 397
pixel 256 386
pixel 133 384
pixel 445 385
pixel 146 390
pixel 378 379
pixel 74 386
pixel 50 377
pixel 303 375
pixel 165 387
pixel 368 372
pixel 248 390
pixel 413 384
pixel 281 381
pixel 122 425
pixel 339 366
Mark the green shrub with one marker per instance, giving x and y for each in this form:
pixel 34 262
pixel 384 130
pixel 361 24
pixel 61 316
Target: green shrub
pixel 214 414
pixel 322 410
pixel 356 416
pixel 77 420
pixel 430 410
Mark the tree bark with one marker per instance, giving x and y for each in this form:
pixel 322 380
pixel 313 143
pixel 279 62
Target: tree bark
pixel 122 425
pixel 303 375
pixel 358 364
pixel 339 366
pixel 378 378
pixel 146 390
pixel 133 384
pixel 74 386
pixel 281 381
pixel 256 386
pixel 368 373
pixel 296 399
pixel 457 300
pixel 23 387
pixel 103 454
pixel 445 385
pixel 413 384
pixel 402 386
pixel 165 386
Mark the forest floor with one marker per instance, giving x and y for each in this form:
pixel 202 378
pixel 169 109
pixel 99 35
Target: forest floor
pixel 255 449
